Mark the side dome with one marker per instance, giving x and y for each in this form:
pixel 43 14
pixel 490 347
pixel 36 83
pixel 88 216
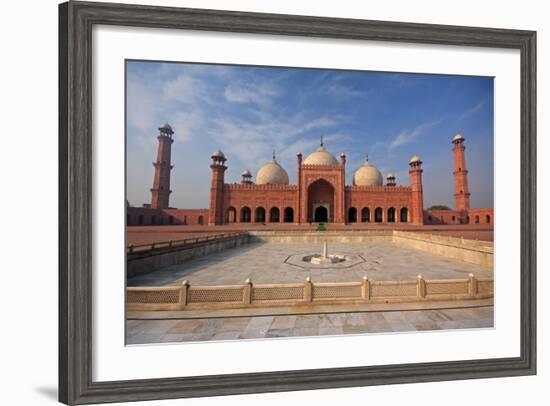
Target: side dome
pixel 321 157
pixel 367 175
pixel 272 173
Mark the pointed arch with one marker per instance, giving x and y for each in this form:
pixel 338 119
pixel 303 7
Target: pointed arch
pixel 231 215
pixel 391 215
pixel 289 215
pixel 365 215
pixel 352 215
pixel 245 214
pixel 404 215
pixel 274 215
pixel 259 215
pixel 378 215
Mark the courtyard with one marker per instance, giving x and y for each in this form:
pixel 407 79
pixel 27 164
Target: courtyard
pixel 282 263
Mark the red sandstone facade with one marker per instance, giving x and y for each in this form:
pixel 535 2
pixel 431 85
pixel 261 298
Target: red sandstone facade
pixel 320 195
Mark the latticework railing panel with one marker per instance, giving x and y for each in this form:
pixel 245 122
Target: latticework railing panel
pixel 202 295
pixel 335 291
pixel 153 296
pixel 278 293
pixel 446 288
pixel 392 289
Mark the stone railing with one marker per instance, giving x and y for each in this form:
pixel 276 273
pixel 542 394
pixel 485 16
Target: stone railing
pixel 176 244
pixel 151 257
pixel 472 251
pixel 480 245
pixel 188 297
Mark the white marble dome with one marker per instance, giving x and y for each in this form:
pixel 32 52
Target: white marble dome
pixel 367 175
pixel 415 158
pixel 321 157
pixel 272 173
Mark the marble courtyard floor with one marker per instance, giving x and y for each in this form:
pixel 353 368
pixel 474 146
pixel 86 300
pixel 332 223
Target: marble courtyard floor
pixel 265 263
pixel 461 316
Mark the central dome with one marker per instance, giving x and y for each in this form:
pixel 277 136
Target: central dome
pixel 321 157
pixel 367 175
pixel 272 173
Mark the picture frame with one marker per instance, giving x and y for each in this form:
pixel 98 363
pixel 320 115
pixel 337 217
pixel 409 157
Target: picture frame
pixel 76 20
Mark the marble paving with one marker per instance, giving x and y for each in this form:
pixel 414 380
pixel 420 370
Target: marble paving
pixel 265 263
pixel 235 328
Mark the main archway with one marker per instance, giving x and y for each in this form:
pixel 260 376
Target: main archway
pixel 320 201
pixel 320 214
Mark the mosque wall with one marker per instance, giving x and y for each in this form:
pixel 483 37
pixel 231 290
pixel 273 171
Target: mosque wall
pixel 472 216
pixel 383 204
pixel 251 203
pixel 145 216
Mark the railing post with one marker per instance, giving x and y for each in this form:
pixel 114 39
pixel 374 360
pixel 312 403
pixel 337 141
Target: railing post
pixel 420 287
pixel 183 293
pixel 170 244
pixel 131 247
pixel 308 290
pixel 365 289
pixel 247 292
pixel 472 285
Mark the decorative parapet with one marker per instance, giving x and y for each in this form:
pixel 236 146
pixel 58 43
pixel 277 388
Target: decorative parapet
pixel 391 189
pixel 188 297
pixel 316 166
pixel 255 187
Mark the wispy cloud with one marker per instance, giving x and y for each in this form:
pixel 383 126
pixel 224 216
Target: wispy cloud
pixel 261 94
pixel 340 90
pixel 407 136
pixel 473 110
pixel 253 142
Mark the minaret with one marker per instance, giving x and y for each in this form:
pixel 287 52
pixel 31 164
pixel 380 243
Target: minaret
pixel 299 216
pixel 417 200
pixel 160 192
pixel 246 177
pixel 390 179
pixel 462 194
pixel 215 214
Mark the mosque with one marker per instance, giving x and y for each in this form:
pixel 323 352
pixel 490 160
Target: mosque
pixel 320 195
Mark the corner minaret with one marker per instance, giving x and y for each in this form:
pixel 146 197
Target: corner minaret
pixel 462 194
pixel 417 199
pixel 215 214
pixel 160 192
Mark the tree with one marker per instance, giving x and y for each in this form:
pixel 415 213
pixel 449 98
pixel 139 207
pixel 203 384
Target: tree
pixel 439 207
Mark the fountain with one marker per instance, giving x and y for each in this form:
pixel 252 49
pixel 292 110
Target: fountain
pixel 324 257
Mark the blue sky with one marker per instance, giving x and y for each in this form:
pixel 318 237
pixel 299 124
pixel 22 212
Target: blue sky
pixel 250 111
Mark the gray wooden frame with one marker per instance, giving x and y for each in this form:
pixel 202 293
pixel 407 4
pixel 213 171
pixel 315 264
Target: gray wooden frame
pixel 76 20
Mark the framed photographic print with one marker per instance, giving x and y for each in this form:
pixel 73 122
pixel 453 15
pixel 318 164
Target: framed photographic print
pixel 257 202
